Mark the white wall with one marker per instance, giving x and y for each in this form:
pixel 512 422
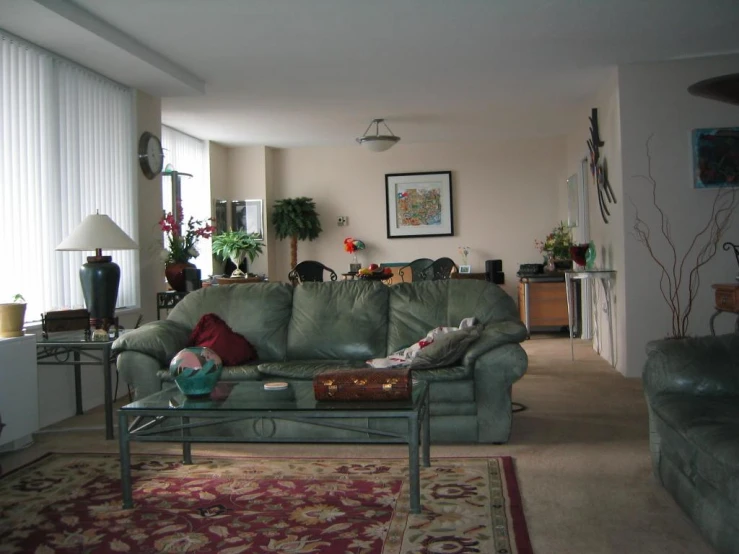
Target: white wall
pixel 655 101
pixel 505 195
pixel 218 155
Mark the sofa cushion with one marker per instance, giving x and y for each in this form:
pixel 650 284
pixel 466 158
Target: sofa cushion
pixel 214 333
pixel 414 308
pixel 305 370
pixel 699 435
pixel 338 320
pixel 446 350
pixel 258 311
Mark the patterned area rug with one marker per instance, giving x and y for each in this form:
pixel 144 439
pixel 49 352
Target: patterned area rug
pixel 72 503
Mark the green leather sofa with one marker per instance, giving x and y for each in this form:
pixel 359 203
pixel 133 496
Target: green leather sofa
pixel 299 331
pixel 692 391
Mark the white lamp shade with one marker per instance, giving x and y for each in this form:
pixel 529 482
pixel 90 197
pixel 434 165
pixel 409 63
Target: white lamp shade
pixel 378 143
pixel 98 231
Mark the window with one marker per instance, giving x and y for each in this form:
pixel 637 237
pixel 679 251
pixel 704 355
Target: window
pixel 67 151
pixel 188 156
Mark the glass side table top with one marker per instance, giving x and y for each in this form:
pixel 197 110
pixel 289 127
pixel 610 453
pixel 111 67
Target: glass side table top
pixel 74 338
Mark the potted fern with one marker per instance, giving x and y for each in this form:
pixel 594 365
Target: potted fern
pixel 12 317
pixel 296 219
pixel 235 246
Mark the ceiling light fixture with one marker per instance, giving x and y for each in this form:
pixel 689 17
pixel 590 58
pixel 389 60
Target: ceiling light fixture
pixel 378 142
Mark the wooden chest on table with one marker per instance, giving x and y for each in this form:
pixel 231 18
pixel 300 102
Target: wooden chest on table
pixel 363 384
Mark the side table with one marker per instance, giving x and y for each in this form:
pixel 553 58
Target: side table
pixel 727 300
pixel 606 277
pixel 56 350
pixel 168 300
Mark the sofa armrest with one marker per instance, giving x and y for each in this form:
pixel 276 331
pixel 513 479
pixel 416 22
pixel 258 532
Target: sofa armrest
pixel 494 335
pixel 160 340
pixel 703 366
pixel 495 372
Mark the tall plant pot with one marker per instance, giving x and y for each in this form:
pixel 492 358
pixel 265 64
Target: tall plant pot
pixel 175 274
pixel 12 317
pixel 236 260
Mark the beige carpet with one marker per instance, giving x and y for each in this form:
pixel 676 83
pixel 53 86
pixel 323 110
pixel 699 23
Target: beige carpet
pixel 581 453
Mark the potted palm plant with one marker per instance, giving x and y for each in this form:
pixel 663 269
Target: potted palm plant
pixel 235 246
pixel 12 317
pixel 296 219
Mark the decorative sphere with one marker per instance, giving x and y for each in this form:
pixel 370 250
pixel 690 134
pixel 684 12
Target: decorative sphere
pixel 196 370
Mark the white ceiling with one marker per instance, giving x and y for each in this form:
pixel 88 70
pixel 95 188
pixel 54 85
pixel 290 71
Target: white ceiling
pixel 290 73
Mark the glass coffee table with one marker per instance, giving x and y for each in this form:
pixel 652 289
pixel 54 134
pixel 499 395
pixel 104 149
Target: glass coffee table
pixel 166 417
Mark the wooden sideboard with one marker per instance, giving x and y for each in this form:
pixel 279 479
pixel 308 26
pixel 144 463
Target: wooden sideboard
pixel 477 276
pixel 542 301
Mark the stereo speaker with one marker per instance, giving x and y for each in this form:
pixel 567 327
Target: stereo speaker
pixel 494 272
pixel 491 266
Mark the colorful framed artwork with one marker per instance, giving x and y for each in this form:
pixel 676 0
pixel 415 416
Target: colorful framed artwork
pixel 419 204
pixel 715 157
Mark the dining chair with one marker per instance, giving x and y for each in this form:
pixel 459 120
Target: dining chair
pixel 415 271
pixel 310 271
pixel 441 269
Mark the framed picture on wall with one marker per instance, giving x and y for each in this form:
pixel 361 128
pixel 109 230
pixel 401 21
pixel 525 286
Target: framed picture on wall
pixel 715 157
pixel 573 200
pixel 221 215
pixel 246 215
pixel 419 204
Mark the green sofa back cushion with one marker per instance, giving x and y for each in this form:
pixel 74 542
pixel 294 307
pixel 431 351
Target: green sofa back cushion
pixel 338 320
pixel 416 308
pixel 258 311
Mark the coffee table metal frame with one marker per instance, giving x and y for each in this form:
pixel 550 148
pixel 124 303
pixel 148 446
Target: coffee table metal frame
pixel 164 421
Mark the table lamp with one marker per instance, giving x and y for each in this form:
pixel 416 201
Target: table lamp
pixel 100 275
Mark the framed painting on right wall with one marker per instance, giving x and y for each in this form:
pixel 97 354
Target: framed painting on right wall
pixel 715 157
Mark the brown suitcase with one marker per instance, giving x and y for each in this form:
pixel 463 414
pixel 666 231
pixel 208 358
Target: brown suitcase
pixel 363 384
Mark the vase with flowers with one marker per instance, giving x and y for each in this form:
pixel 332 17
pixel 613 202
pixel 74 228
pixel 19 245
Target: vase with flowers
pixel 180 247
pixel 352 246
pixel 464 251
pixel 556 247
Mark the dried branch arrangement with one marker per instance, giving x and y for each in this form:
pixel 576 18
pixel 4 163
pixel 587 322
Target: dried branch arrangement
pixel 675 269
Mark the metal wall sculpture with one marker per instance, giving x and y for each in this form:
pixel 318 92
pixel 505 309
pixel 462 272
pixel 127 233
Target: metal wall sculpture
pixel 599 168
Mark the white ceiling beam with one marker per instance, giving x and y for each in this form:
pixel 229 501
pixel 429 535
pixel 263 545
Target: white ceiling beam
pixel 109 33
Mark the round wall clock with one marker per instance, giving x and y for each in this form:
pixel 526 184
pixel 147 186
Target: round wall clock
pixel 151 157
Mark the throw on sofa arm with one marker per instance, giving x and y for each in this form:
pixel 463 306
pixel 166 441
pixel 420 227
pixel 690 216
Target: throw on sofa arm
pixel 144 351
pixel 704 366
pixel 493 335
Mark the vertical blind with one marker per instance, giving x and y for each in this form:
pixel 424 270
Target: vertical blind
pixel 66 151
pixel 187 154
